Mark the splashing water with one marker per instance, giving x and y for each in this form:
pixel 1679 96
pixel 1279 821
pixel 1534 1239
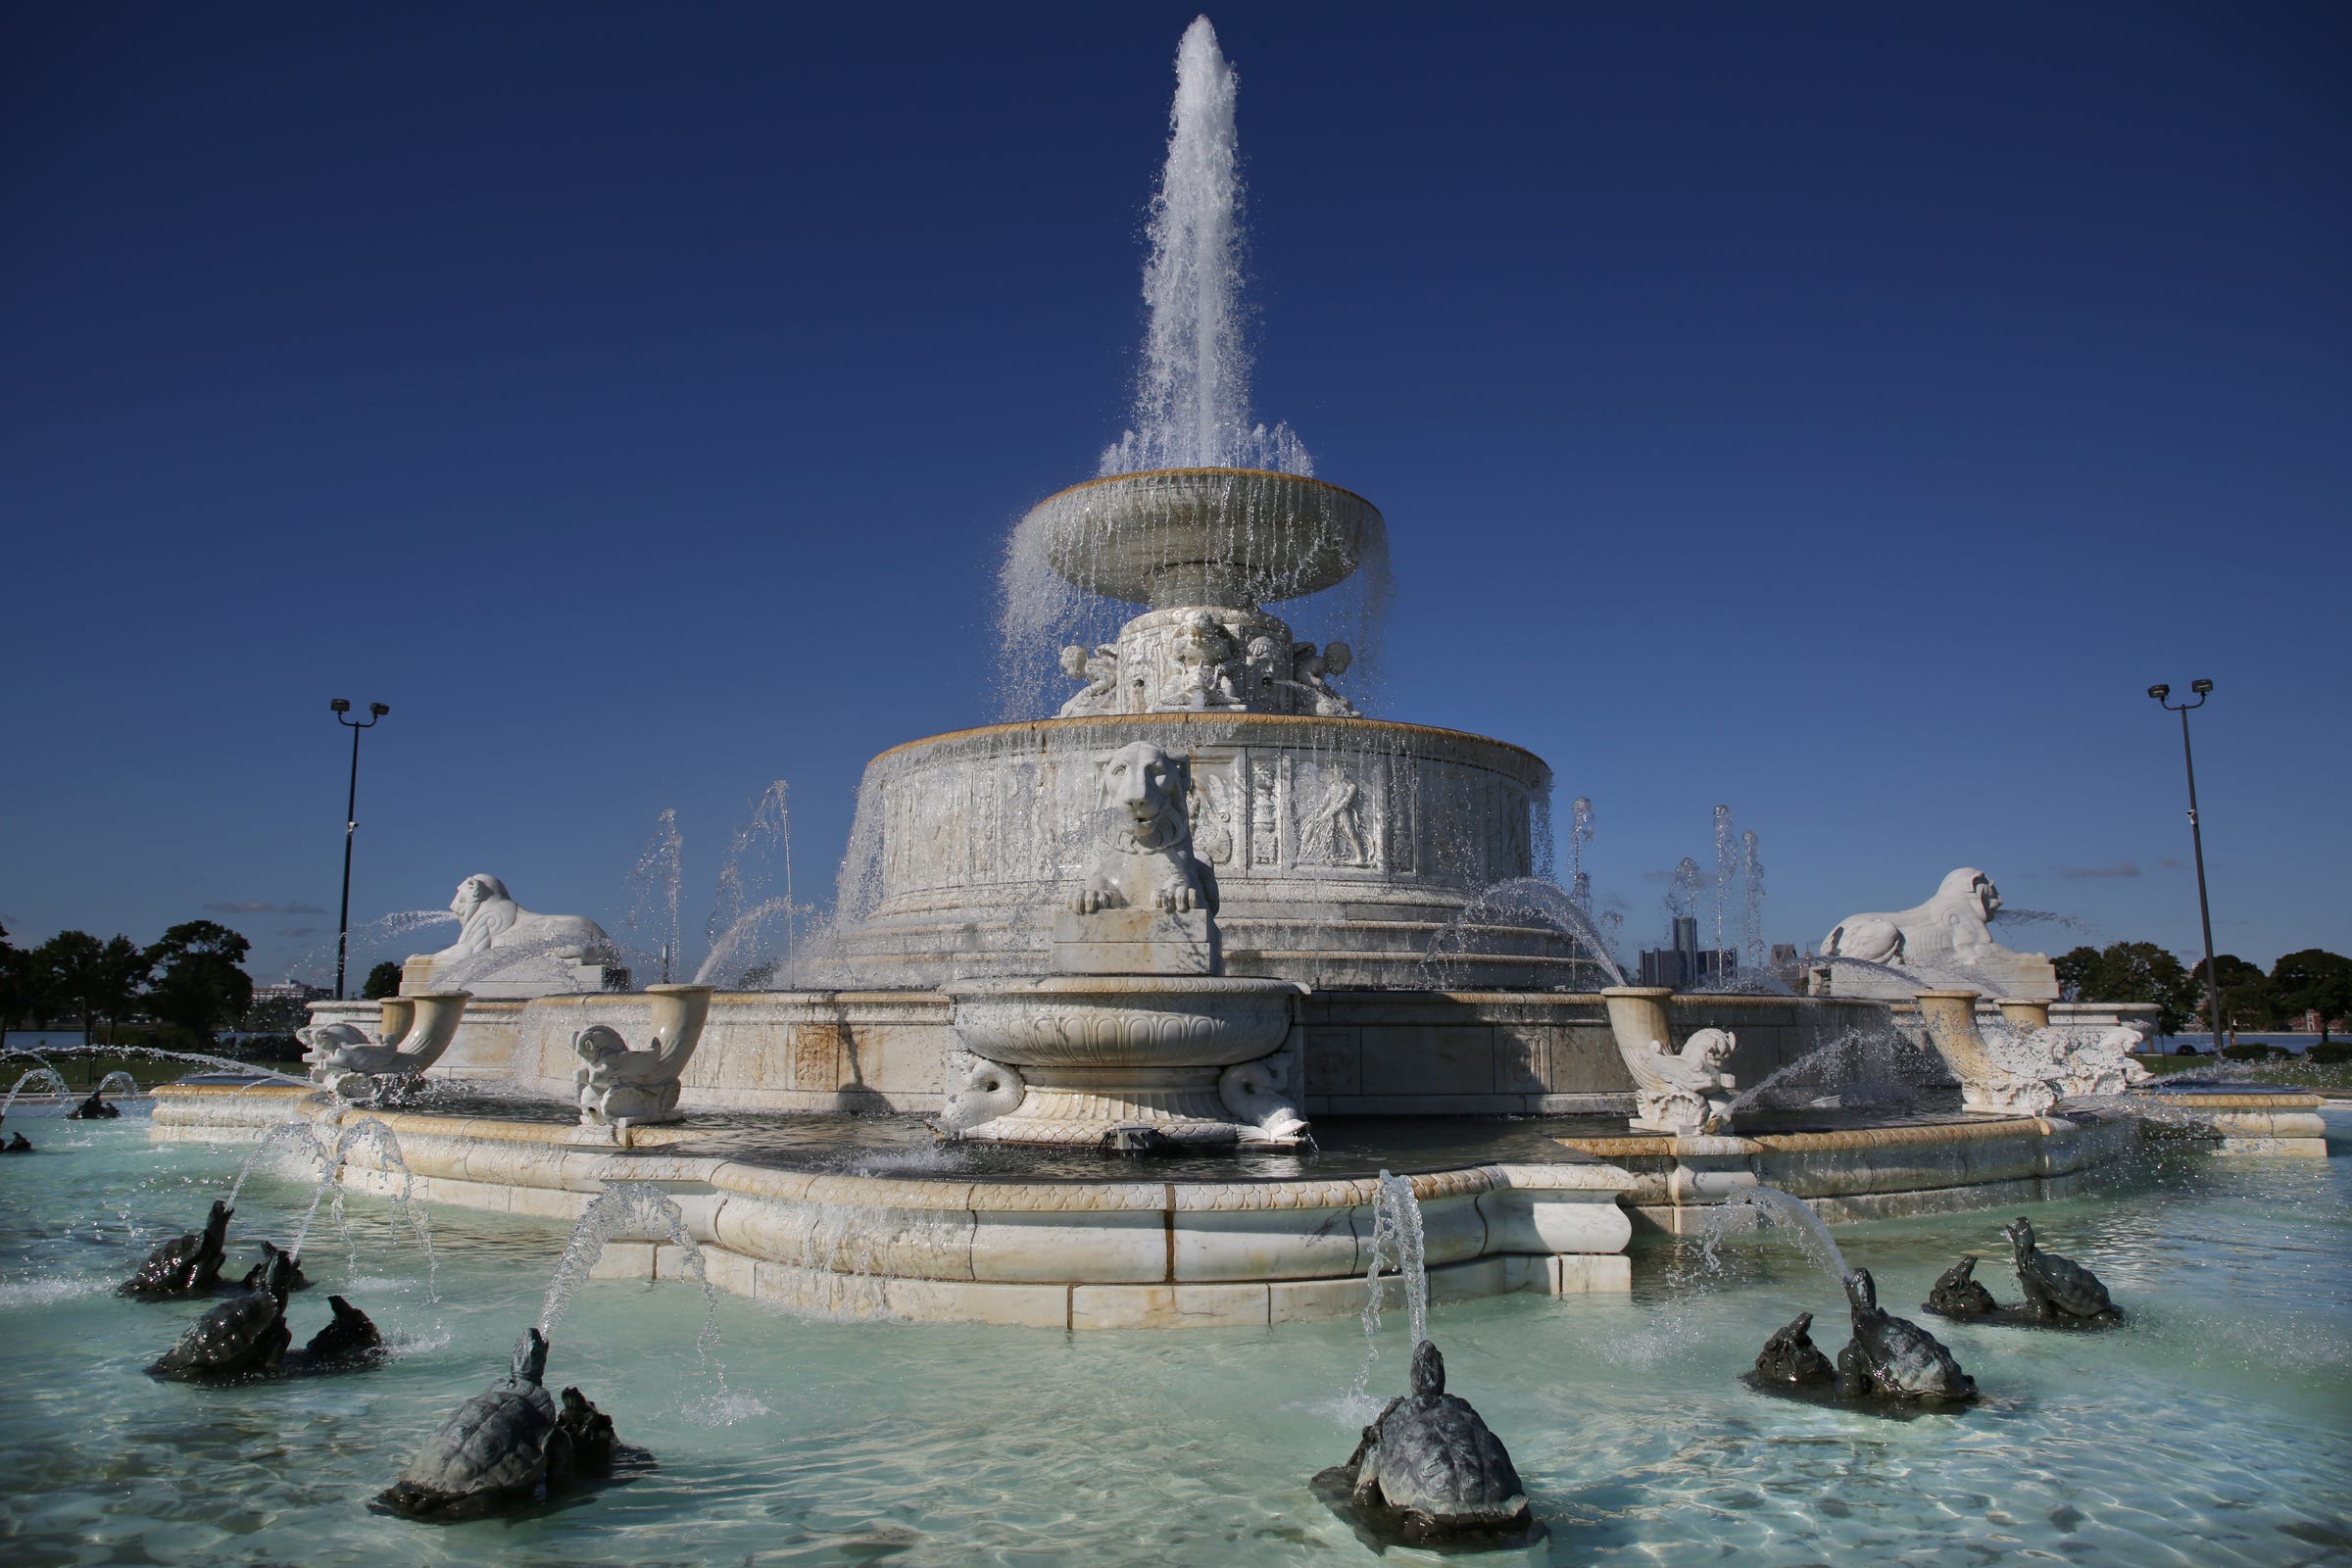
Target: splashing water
pixel 194 1059
pixel 1727 867
pixel 1516 902
pixel 1752 888
pixel 1579 834
pixel 2082 930
pixel 623 1208
pixel 653 885
pixel 641 1209
pixel 1396 1246
pixel 369 939
pixel 743 914
pixel 373 1135
pixel 117 1082
pixel 1192 393
pixel 1774 1207
pixel 1860 1068
pixel 49 1076
pixel 1681 891
pixel 297 1132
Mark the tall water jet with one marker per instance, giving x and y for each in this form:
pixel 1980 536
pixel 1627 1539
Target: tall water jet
pixel 1579 834
pixel 745 911
pixel 654 886
pixel 1191 391
pixel 1398 1249
pixel 1751 880
pixel 1727 865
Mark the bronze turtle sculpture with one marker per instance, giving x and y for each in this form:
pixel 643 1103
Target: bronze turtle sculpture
pixel 185 1265
pixel 1430 1461
pixel 507 1447
pixel 1894 1357
pixel 350 1340
pixel 2056 1287
pixel 1790 1356
pixel 296 1280
pixel 243 1337
pixel 1958 1294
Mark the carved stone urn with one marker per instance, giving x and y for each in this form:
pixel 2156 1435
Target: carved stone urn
pixel 1986 1084
pixel 1686 1092
pixel 625 1088
pixel 2024 1015
pixel 1071 1059
pixel 416 1031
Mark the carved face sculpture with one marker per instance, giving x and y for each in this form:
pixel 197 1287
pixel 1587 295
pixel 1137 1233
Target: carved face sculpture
pixel 474 892
pixel 1143 781
pixel 599 1043
pixel 1989 897
pixel 1203 640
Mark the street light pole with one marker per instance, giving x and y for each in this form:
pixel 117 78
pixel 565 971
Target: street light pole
pixel 2196 839
pixel 351 825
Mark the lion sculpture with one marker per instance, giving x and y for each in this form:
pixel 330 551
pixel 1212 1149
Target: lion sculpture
pixel 489 918
pixel 1143 855
pixel 1955 923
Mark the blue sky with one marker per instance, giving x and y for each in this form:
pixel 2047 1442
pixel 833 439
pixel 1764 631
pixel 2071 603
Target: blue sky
pixel 1840 412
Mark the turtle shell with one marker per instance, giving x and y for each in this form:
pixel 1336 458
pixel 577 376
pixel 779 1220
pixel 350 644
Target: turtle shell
pixel 1957 1293
pixel 2065 1283
pixel 1433 1455
pixel 245 1335
pixel 1792 1357
pixel 495 1443
pixel 185 1265
pixel 1901 1358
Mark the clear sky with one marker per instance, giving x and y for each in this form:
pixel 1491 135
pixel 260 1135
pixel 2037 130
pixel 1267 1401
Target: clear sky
pixel 1838 411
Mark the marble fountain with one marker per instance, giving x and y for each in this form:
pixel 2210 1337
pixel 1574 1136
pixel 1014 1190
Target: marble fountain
pixel 1148 983
pixel 1124 1010
pixel 1204 1001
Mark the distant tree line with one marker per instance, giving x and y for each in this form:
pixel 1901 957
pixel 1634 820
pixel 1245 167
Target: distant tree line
pixel 2313 980
pixel 190 981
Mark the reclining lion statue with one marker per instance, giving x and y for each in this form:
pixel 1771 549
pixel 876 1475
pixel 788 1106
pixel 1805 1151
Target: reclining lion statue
pixel 1955 923
pixel 488 917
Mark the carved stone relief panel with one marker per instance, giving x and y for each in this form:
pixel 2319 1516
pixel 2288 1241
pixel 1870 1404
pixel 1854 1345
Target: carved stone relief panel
pixel 1266 810
pixel 1338 807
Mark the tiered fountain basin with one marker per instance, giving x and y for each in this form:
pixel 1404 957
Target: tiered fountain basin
pixel 1140 1052
pixel 1340 847
pixel 1923 1164
pixel 1467 1052
pixel 1069 1253
pixel 1171 537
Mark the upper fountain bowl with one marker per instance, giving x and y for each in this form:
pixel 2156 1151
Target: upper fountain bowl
pixel 1232 538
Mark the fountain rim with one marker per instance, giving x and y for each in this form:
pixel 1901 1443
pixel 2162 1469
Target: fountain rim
pixel 1144 990
pixel 1207 717
pixel 1253 474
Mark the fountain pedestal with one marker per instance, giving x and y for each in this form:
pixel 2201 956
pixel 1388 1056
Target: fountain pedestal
pixel 1094 1054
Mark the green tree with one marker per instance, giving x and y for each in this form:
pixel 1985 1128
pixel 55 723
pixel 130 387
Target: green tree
pixel 382 981
pixel 198 985
pixel 20 984
pixel 2132 972
pixel 2247 1002
pixel 69 963
pixel 2314 980
pixel 98 980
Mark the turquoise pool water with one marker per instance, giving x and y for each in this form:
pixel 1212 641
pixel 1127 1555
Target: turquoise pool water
pixel 2215 1429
